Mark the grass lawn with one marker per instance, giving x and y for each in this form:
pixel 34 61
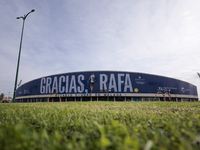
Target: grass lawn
pixel 100 125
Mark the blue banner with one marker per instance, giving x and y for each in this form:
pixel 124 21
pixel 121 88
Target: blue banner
pixel 103 82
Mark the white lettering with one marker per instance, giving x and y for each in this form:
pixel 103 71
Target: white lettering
pixel 42 87
pixel 48 85
pixel 128 83
pixel 103 80
pixel 112 83
pixel 72 84
pixel 61 80
pixel 67 84
pixel 120 82
pixel 55 85
pixel 81 87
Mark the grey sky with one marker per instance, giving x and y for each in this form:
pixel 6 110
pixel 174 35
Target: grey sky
pixel 159 37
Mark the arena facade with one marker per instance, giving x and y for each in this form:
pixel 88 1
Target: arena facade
pixel 106 86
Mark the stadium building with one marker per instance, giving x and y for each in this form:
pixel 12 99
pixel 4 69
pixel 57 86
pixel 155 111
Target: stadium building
pixel 106 86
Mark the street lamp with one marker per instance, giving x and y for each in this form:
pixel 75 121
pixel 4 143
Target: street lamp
pixel 14 94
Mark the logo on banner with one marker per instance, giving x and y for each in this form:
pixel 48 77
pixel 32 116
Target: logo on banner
pixel 184 90
pixel 139 80
pixel 166 88
pixel 136 90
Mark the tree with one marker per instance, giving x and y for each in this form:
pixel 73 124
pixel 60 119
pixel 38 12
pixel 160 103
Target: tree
pixel 1 96
pixel 198 74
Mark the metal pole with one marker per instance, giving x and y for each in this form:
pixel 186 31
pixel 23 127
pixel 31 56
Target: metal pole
pixel 14 94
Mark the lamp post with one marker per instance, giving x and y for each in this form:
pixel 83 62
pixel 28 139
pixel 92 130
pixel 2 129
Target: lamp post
pixel 14 94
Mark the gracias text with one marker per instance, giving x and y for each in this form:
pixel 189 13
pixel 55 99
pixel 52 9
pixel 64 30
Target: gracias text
pixel 78 84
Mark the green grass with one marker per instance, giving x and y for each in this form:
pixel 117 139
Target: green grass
pixel 100 125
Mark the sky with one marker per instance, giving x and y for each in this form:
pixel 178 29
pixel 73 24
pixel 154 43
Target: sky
pixel 160 37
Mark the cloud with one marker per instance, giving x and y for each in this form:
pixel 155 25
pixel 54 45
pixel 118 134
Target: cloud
pixel 185 13
pixel 159 37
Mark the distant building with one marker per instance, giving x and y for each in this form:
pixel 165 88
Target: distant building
pixel 6 100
